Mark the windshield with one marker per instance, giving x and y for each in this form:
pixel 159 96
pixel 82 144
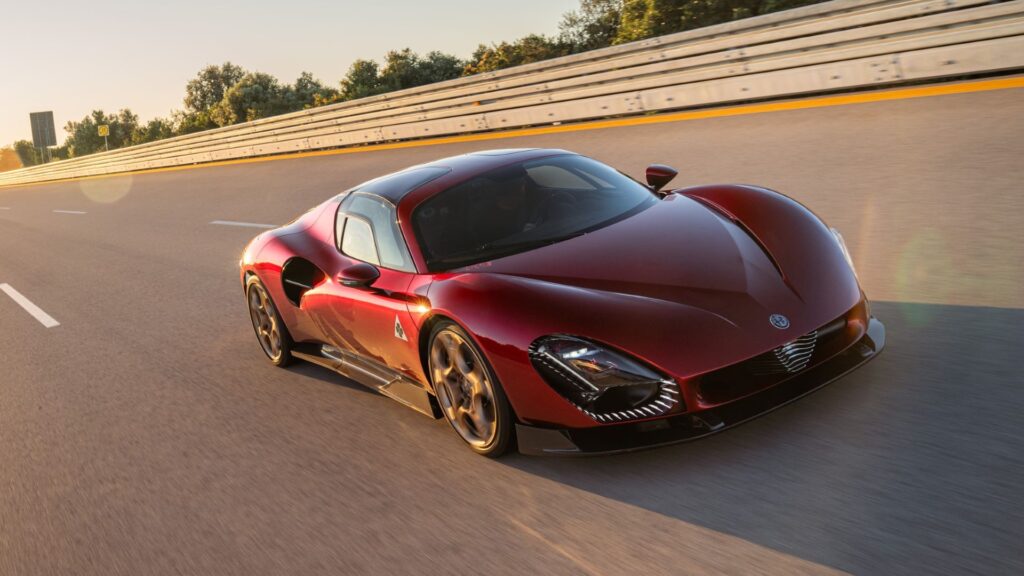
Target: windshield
pixel 522 207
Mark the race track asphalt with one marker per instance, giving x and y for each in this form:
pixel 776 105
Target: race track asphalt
pixel 146 434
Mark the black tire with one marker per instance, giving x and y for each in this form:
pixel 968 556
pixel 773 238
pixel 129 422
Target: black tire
pixel 451 391
pixel 271 332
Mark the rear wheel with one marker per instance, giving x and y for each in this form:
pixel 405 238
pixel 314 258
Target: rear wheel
pixel 270 330
pixel 469 394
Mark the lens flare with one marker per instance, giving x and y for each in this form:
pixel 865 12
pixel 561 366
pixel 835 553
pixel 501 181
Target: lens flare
pixel 106 190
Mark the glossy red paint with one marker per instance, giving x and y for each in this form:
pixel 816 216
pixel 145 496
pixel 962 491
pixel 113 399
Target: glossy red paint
pixel 659 175
pixel 686 285
pixel 330 311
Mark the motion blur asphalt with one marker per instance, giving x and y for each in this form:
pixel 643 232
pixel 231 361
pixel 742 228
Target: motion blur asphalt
pixel 147 435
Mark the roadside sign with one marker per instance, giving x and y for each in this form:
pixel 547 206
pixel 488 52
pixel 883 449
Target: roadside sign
pixel 43 134
pixel 103 130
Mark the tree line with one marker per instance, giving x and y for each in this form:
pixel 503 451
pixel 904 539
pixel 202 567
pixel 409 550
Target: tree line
pixel 226 94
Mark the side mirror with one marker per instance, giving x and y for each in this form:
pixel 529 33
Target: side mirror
pixel 658 175
pixel 360 275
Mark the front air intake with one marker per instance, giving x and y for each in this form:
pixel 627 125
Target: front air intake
pixel 789 358
pixel 760 372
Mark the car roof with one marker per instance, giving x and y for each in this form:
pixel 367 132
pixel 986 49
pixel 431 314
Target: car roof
pixel 447 171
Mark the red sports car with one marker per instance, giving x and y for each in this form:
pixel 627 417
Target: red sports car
pixel 542 299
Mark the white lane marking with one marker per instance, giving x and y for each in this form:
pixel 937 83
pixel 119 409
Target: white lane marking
pixel 45 319
pixel 69 212
pixel 5 207
pixel 245 224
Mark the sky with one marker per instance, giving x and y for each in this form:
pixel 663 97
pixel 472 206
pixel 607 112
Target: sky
pixel 72 57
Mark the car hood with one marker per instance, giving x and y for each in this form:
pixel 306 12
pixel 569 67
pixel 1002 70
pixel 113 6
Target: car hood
pixel 677 251
pixel 677 271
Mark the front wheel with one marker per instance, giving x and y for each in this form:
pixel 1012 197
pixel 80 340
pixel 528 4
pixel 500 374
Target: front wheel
pixel 469 394
pixel 270 329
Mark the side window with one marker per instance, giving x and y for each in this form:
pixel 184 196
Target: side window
pixel 376 232
pixel 357 241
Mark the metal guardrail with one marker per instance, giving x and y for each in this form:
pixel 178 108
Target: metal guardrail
pixel 833 46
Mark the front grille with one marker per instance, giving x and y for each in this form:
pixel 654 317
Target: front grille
pixel 757 373
pixel 789 358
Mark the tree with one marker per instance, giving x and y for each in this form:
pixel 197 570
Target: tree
pixel 646 18
pixel 701 13
pixel 9 159
pixel 155 129
pixel 204 92
pixel 405 69
pixel 309 92
pixel 256 95
pixel 27 153
pixel 437 66
pixel 83 137
pixel 401 70
pixel 362 80
pixel 122 126
pixel 532 48
pixel 207 89
pixel 59 153
pixel 594 25
pixel 226 94
pixel 185 122
pixel 325 99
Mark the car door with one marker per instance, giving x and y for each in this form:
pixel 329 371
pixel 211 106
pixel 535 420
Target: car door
pixel 373 321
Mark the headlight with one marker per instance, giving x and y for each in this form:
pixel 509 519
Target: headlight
pixel 842 246
pixel 606 384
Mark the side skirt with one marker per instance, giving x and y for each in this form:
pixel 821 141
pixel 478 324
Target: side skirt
pixel 370 374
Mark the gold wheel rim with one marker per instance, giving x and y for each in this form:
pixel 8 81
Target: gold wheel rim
pixel 464 388
pixel 264 321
